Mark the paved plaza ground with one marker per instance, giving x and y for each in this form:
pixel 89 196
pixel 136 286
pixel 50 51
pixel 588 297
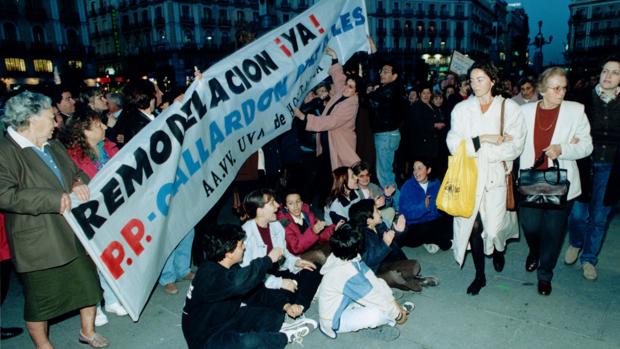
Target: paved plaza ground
pixel 508 313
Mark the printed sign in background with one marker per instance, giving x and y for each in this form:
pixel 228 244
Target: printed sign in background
pixel 168 177
pixel 459 63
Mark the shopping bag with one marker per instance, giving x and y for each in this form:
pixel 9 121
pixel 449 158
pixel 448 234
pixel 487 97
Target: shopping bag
pixel 457 194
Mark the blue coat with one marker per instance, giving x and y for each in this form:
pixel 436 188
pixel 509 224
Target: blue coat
pixel 412 197
pixel 375 251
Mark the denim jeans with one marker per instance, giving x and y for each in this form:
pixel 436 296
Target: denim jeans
pixel 386 144
pixel 178 263
pixel 588 221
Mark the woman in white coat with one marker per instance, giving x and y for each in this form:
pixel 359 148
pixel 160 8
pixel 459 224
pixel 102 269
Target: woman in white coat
pixel 560 130
pixel 477 122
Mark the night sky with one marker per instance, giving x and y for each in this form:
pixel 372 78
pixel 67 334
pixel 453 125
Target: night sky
pixel 554 14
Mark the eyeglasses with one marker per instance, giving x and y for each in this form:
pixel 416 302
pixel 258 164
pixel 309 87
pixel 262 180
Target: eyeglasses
pixel 557 89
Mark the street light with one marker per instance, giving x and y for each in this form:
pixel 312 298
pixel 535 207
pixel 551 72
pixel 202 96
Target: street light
pixel 539 42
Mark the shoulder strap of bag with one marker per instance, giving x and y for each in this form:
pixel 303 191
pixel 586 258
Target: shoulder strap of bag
pixel 501 129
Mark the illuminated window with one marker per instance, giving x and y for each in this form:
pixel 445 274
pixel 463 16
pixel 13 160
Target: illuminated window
pixel 15 64
pixel 75 64
pixel 42 65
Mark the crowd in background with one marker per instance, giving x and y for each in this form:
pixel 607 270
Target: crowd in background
pixel 351 184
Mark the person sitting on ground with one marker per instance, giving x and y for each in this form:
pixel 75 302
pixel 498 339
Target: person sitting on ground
pixel 306 236
pixel 351 297
pixel 381 253
pixel 213 316
pixel 296 275
pixel 342 195
pixel 425 224
pixel 368 190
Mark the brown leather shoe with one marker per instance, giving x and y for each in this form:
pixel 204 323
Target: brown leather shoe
pixel 544 287
pixel 531 263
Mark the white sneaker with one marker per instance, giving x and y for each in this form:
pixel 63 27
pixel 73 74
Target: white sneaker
pixel 116 308
pixel 300 329
pixel 300 322
pixel 409 306
pixel 100 319
pixel 431 248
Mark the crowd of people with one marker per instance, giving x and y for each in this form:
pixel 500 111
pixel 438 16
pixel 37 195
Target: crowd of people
pixel 328 209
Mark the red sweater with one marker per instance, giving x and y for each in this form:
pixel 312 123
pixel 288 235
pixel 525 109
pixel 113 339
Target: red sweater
pixel 85 163
pixel 544 125
pixel 298 242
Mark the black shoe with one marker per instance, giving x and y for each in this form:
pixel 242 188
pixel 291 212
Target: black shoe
pixel 10 332
pixel 498 261
pixel 531 263
pixel 544 287
pixel 476 285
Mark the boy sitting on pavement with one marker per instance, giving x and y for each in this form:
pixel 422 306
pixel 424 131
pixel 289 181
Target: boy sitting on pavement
pixel 351 297
pixel 214 316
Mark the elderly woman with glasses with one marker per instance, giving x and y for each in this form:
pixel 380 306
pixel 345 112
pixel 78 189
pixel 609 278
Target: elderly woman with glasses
pixel 556 130
pixel 36 178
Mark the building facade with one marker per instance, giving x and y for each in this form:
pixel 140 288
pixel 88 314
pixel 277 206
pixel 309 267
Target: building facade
pixel 594 32
pixel 37 36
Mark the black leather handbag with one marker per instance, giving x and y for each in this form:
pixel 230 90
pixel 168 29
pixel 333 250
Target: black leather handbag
pixel 543 188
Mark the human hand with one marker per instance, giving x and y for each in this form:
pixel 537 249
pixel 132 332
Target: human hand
pixel 81 190
pixel 275 254
pixel 304 264
pixel 388 237
pixel 400 224
pixel 331 53
pixel 197 73
pixel 389 190
pixel 289 285
pixel 318 227
pixel 298 114
pixel 65 203
pixel 120 139
pixel 553 151
pixel 340 224
pixel 574 140
pixel 495 139
pixel 380 201
pixel 371 43
pixel 439 125
pixel 293 310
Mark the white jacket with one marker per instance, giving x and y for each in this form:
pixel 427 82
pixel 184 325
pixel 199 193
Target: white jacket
pixel 256 248
pixel 572 123
pixel 347 282
pixel 469 122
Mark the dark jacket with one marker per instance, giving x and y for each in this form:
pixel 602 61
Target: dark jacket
pixel 387 105
pixel 129 124
pixel 40 238
pixel 375 251
pixel 422 139
pixel 215 296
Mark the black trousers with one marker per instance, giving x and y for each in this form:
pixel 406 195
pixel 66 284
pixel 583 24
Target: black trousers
pixel 544 231
pixel 438 232
pixel 307 284
pixel 251 327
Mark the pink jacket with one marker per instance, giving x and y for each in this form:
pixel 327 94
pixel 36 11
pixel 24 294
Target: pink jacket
pixel 340 124
pixel 298 242
pixel 84 163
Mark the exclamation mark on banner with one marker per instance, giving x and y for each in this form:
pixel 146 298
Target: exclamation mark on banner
pixel 317 24
pixel 282 47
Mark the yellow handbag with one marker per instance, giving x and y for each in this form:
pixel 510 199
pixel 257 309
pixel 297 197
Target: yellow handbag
pixel 457 194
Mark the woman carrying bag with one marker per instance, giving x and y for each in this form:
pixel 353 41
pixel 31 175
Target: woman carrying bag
pixel 477 122
pixel 558 130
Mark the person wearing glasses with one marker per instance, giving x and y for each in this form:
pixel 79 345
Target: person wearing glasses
pixel 556 130
pixel 477 122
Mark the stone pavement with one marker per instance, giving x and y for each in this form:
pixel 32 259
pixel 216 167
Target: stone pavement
pixel 508 313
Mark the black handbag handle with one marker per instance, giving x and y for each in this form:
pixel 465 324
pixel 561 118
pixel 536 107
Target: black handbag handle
pixel 541 160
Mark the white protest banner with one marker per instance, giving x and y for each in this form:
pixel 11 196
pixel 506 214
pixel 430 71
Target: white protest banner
pixel 168 177
pixel 459 63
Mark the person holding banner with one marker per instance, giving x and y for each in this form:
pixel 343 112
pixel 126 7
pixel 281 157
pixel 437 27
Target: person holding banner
pixel 338 117
pixel 36 177
pixel 90 150
pixel 141 98
pixel 297 277
pixel 477 121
